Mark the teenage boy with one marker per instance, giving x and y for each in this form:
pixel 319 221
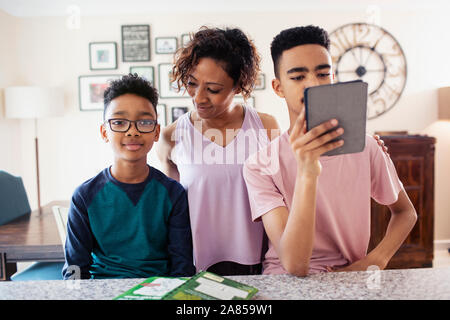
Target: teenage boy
pixel 316 209
pixel 129 221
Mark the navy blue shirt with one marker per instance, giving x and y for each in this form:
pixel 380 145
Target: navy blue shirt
pixel 120 230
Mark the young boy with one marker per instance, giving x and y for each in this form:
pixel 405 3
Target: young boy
pixel 316 210
pixel 129 221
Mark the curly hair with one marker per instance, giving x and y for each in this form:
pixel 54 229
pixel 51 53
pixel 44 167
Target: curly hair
pixel 297 36
pixel 133 84
pixel 230 46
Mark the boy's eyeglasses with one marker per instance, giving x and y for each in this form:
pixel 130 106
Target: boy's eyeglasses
pixel 123 125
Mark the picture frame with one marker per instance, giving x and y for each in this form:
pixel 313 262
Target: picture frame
pixel 136 43
pixel 167 88
pixel 161 110
pixel 260 83
pixel 91 89
pixel 177 112
pixel 250 102
pixel 147 72
pixel 102 55
pixel 166 45
pixel 185 38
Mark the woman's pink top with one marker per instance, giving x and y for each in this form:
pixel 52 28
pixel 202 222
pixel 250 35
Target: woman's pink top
pixel 221 222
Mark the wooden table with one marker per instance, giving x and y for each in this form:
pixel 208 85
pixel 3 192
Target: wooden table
pixel 33 237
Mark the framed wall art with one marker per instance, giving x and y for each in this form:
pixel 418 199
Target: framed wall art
pixel 135 43
pixel 185 38
pixel 167 88
pixel 147 72
pixel 260 83
pixel 178 112
pixel 102 55
pixel 91 89
pixel 166 45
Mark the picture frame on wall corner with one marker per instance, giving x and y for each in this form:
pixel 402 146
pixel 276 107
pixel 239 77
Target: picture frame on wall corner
pixel 147 72
pixel 102 55
pixel 167 88
pixel 161 110
pixel 91 89
pixel 260 83
pixel 166 45
pixel 136 43
pixel 185 38
pixel 178 112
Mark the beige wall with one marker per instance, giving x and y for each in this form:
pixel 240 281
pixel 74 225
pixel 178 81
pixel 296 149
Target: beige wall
pixel 44 51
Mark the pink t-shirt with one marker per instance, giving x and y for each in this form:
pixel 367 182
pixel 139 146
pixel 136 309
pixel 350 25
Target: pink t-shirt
pixel 345 186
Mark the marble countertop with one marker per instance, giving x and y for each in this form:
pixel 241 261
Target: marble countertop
pixel 430 283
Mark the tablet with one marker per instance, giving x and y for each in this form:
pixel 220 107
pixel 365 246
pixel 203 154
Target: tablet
pixel 344 101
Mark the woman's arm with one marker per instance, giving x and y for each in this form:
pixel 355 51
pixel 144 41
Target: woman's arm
pixel 270 124
pixel 164 150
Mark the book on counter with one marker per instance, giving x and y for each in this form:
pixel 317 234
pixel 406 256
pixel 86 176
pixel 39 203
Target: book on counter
pixel 202 286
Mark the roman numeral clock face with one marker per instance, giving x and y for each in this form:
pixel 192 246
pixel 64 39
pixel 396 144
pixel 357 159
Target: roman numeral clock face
pixel 367 52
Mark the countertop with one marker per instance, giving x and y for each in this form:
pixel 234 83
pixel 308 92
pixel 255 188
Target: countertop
pixel 429 283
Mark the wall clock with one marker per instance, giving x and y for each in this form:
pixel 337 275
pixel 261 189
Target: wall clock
pixel 368 52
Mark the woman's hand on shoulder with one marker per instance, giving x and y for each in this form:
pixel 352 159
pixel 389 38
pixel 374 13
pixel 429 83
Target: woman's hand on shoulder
pixel 167 139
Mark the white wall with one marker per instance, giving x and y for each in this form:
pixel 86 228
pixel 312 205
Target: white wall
pixel 9 130
pixel 44 51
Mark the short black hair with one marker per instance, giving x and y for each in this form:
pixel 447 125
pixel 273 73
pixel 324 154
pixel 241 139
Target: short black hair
pixel 133 84
pixel 297 36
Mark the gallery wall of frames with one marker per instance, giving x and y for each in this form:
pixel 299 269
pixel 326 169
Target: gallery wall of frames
pixel 135 48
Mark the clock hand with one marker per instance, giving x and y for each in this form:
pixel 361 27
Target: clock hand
pixel 360 54
pixel 354 56
pixel 370 54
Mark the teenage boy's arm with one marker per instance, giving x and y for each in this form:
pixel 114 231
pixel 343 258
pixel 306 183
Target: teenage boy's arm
pixel 79 242
pixel 292 234
pixel 403 218
pixel 180 239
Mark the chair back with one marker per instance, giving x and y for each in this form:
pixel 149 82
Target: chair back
pixel 61 215
pixel 13 198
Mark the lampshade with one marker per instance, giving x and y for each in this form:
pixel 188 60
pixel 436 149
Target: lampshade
pixel 33 102
pixel 444 103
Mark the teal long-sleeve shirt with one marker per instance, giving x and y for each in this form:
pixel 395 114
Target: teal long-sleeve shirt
pixel 120 230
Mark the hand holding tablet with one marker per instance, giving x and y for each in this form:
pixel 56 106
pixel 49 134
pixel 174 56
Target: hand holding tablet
pixel 344 101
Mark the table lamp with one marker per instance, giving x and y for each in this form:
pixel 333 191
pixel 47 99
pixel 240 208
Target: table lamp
pixel 32 102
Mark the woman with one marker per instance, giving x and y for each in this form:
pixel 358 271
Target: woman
pixel 205 149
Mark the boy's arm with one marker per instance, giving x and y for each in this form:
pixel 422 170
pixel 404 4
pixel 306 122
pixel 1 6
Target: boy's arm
pixel 387 189
pixel 180 239
pixel 292 233
pixel 403 218
pixel 79 242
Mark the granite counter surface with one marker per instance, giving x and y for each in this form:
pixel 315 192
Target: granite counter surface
pixel 387 284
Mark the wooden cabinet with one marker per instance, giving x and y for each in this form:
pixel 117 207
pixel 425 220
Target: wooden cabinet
pixel 413 157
